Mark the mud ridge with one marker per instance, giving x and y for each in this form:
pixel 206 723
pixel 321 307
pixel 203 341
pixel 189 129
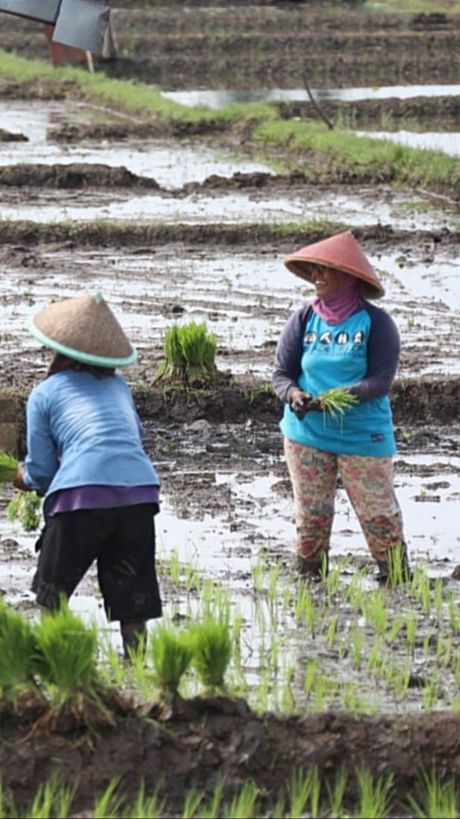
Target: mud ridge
pixel 205 740
pixel 122 234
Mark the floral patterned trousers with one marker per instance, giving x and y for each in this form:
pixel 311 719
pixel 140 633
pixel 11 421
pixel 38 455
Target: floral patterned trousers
pixel 368 482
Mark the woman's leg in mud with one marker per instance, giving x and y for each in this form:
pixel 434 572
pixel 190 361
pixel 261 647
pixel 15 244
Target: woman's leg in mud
pixel 368 482
pixel 314 479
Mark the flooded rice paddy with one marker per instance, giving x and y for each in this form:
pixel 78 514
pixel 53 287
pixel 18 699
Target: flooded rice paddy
pixel 344 668
pixel 226 528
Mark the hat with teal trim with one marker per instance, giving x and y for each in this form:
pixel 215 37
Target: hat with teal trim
pixel 84 329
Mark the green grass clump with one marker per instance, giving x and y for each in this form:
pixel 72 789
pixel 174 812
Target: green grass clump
pixel 18 653
pixel 212 651
pixel 171 655
pixel 26 508
pixel 8 467
pixel 190 352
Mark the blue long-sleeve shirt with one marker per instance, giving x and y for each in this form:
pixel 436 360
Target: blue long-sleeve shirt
pixel 83 430
pixel 361 353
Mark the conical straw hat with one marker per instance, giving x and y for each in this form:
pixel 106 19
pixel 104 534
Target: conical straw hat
pixel 342 252
pixel 84 329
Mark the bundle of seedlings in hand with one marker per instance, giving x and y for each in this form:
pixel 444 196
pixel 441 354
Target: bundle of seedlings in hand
pixel 67 656
pixel 336 401
pixel 171 654
pixel 190 353
pixel 25 507
pixel 212 651
pixel 8 467
pixel 18 653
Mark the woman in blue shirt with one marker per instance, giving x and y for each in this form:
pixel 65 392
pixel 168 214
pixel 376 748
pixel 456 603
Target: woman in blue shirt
pixel 340 340
pixel 85 455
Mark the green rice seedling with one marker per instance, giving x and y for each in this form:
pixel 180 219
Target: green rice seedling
pixel 438 798
pixel 357 645
pixel 258 572
pixel 374 795
pixel 273 582
pixel 453 610
pixel 375 612
pixel 213 808
pixel 431 692
pixel 26 508
pixel 18 649
pixel 398 677
pixel 304 792
pixel 212 651
pixel 192 802
pixel 109 803
pixel 396 628
pixel 336 794
pixel 332 631
pixel 332 582
pixel 444 650
pixel 335 402
pixel 8 467
pixel 324 689
pixel 438 598
pixel 147 807
pixel 174 567
pixel 190 352
pixel 171 653
pixel 304 609
pixel 52 799
pixel 376 659
pixel 350 698
pixel 411 631
pixel 68 650
pixel 244 803
pixel 312 671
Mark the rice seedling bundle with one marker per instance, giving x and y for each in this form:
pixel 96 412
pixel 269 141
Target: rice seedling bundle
pixel 18 650
pixel 212 651
pixel 335 402
pixel 67 653
pixel 171 655
pixel 190 353
pixel 8 467
pixel 25 507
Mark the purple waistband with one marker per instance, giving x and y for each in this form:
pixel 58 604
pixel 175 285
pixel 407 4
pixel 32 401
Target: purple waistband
pixel 101 497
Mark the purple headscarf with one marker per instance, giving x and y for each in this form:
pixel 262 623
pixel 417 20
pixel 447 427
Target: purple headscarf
pixel 343 302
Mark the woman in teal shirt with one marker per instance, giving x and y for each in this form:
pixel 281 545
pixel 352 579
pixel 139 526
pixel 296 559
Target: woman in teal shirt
pixel 340 340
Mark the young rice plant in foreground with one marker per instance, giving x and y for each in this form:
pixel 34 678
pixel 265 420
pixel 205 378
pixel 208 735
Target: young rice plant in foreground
pixel 25 507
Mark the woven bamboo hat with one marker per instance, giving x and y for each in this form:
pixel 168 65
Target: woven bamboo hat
pixel 84 329
pixel 341 252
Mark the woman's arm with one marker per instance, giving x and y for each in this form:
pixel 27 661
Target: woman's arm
pixel 382 357
pixel 41 462
pixel 288 355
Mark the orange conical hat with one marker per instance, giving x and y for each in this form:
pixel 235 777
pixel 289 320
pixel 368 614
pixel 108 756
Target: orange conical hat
pixel 342 252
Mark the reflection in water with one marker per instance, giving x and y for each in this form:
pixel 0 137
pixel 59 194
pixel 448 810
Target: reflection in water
pixel 218 99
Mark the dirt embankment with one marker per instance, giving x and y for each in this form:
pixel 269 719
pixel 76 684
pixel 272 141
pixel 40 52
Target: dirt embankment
pixel 207 741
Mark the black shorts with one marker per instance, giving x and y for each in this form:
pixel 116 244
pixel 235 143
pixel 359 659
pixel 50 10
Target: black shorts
pixel 121 540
